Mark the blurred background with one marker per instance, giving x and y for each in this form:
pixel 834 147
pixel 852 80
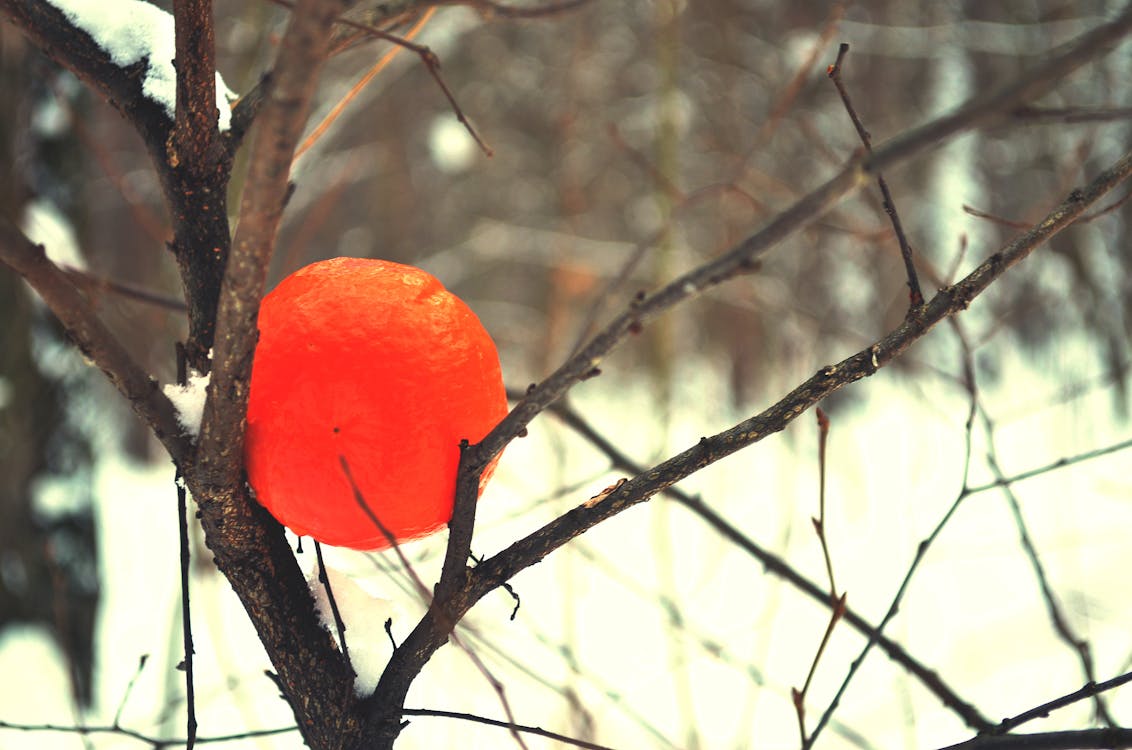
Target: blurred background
pixel 630 142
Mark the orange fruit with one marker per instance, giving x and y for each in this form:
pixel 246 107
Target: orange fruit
pixel 378 363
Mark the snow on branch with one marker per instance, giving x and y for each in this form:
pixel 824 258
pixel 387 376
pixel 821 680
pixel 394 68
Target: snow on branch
pixel 130 31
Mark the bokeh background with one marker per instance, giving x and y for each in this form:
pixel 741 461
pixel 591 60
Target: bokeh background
pixel 631 141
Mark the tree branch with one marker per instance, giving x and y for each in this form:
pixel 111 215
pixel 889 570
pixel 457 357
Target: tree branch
pixel 981 110
pixel 194 169
pixel 93 339
pixel 947 302
pixel 248 544
pixel 382 708
pixel 302 52
pixel 74 49
pixel 1082 739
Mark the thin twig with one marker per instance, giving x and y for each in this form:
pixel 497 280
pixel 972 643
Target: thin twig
pixel 1081 739
pixel 371 514
pixel 1090 690
pixel 837 601
pixel 629 265
pixel 500 693
pixel 491 9
pixel 819 523
pixel 129 689
pixel 1069 115
pixel 186 619
pixel 980 214
pixel 923 547
pixel 1107 209
pixel 324 579
pixel 427 56
pixel 1057 616
pixel 402 42
pixel 538 731
pixel 981 110
pixel 424 592
pixel 915 296
pixel 156 742
pixel 1060 463
pixel 128 291
pixel 946 303
pixel 646 165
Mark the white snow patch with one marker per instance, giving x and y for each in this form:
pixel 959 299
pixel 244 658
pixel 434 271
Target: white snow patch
pixel 45 225
pixel 130 31
pixel 188 399
pixel 364 615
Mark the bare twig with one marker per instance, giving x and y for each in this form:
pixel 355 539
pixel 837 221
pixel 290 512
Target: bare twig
pixel 1060 463
pixel 979 111
pixel 633 260
pixel 980 214
pixel 946 303
pixel 423 591
pixel 915 296
pixel 1057 615
pixel 432 631
pixel 427 56
pixel 371 514
pixel 971 386
pixel 492 9
pixel 1107 209
pixel 142 737
pixel 837 601
pixel 789 94
pixel 819 522
pixel 186 619
pixel 1082 739
pixel 537 731
pixel 129 689
pixel 1069 115
pixel 324 579
pixel 1090 690
pixel 90 281
pixel 401 42
pixel 660 180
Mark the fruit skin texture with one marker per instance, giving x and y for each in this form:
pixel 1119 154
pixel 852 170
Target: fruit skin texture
pixel 376 362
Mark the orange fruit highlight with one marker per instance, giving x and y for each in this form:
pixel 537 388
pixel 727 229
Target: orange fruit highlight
pixel 376 362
